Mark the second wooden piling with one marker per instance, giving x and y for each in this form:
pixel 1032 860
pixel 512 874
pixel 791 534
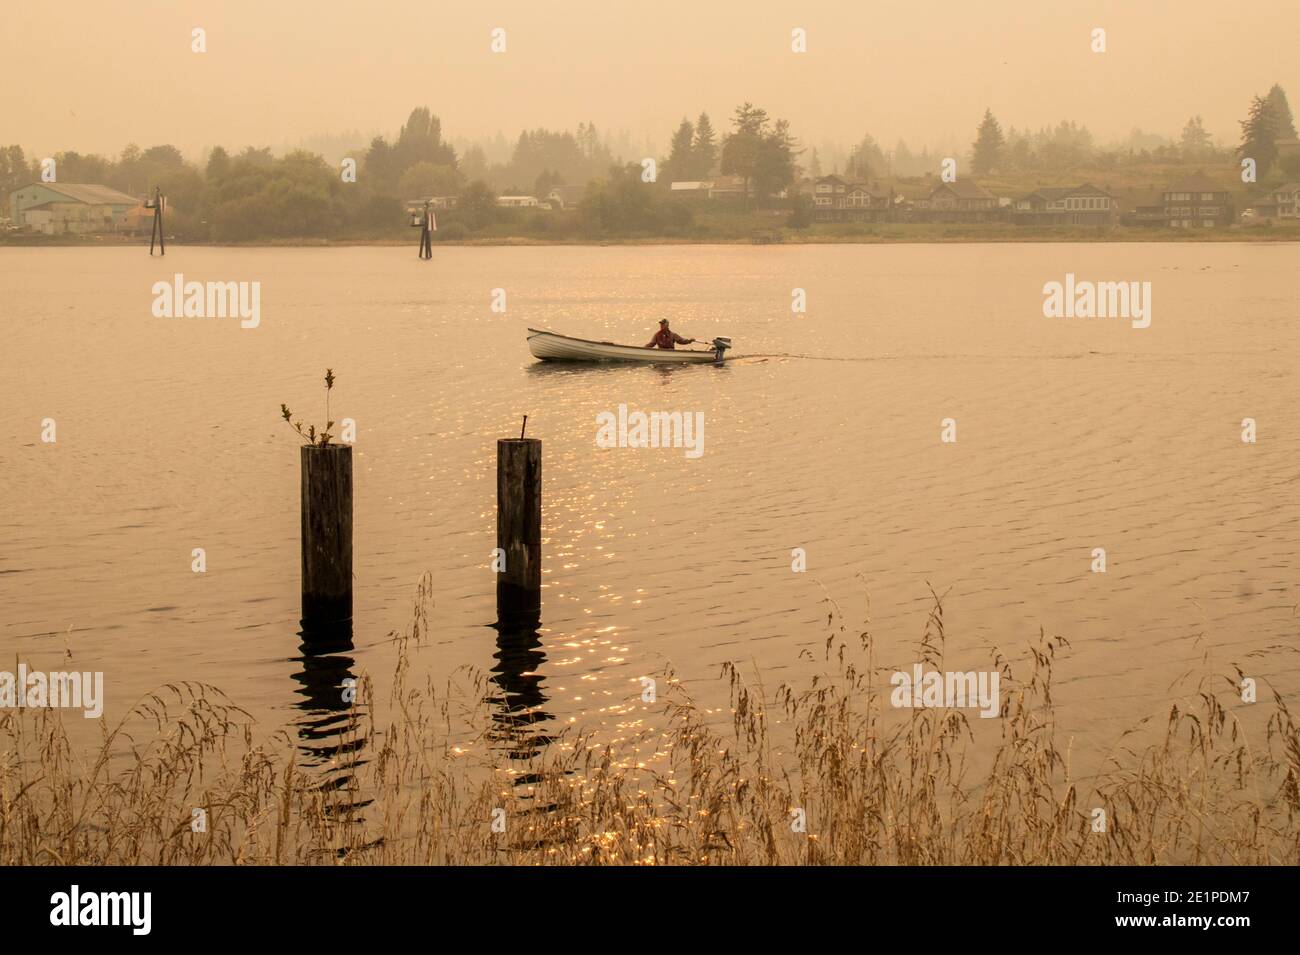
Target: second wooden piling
pixel 157 205
pixel 519 525
pixel 326 536
pixel 426 233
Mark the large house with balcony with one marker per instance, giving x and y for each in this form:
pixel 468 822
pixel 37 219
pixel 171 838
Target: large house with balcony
pixel 1197 202
pixel 1066 205
pixel 829 191
pixel 836 199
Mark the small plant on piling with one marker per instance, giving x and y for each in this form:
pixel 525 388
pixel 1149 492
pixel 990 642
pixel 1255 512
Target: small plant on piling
pixel 310 435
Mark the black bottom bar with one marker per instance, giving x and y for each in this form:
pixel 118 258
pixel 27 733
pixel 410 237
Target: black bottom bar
pixel 949 909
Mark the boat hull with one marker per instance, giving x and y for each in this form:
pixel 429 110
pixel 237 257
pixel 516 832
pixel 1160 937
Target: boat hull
pixel 549 346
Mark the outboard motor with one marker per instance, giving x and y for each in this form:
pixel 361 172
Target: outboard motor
pixel 720 345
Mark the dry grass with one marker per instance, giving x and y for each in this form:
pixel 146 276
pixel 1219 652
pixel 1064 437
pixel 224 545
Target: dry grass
pixel 877 786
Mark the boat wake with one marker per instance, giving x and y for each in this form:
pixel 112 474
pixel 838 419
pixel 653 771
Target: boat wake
pixel 805 357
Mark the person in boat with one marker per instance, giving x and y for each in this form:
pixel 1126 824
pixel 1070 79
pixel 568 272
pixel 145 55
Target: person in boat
pixel 667 338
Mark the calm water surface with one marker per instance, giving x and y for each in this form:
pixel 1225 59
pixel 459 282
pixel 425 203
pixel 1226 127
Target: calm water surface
pixel 1071 435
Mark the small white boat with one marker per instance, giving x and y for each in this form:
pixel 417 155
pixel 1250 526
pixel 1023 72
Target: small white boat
pixel 552 347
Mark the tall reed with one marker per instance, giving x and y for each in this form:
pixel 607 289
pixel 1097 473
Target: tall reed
pixel 875 785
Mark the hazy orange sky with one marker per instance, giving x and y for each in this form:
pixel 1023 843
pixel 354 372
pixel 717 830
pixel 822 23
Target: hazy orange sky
pixel 93 75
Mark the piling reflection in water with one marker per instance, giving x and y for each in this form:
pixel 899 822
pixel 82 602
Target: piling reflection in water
pixel 330 732
pixel 518 716
pixel 519 720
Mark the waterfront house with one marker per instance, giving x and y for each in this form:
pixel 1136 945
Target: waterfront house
pixel 868 203
pixel 1287 197
pixel 911 199
pixel 1084 205
pixel 416 206
pixel 1280 203
pixel 71 208
pixel 719 187
pixel 960 201
pixel 836 199
pixel 828 193
pixel 1141 207
pixel 1197 202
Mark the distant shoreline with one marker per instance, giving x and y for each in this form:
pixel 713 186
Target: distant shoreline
pixel 914 236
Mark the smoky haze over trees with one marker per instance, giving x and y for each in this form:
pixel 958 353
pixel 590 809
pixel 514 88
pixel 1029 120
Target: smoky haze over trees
pixel 250 193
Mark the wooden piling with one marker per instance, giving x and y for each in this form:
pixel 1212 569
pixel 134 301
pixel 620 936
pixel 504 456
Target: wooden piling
pixel 326 535
pixel 426 233
pixel 157 233
pixel 519 525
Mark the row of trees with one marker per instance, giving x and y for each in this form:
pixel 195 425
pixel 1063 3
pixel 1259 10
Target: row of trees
pixel 1067 145
pixel 254 194
pixel 1027 152
pixel 693 154
pixel 1268 120
pixel 758 148
pixel 417 163
pixel 542 159
pixel 251 194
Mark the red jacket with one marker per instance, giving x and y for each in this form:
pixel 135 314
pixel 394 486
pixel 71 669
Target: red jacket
pixel 667 338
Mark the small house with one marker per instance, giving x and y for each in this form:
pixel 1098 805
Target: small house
pixel 1066 205
pixel 961 201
